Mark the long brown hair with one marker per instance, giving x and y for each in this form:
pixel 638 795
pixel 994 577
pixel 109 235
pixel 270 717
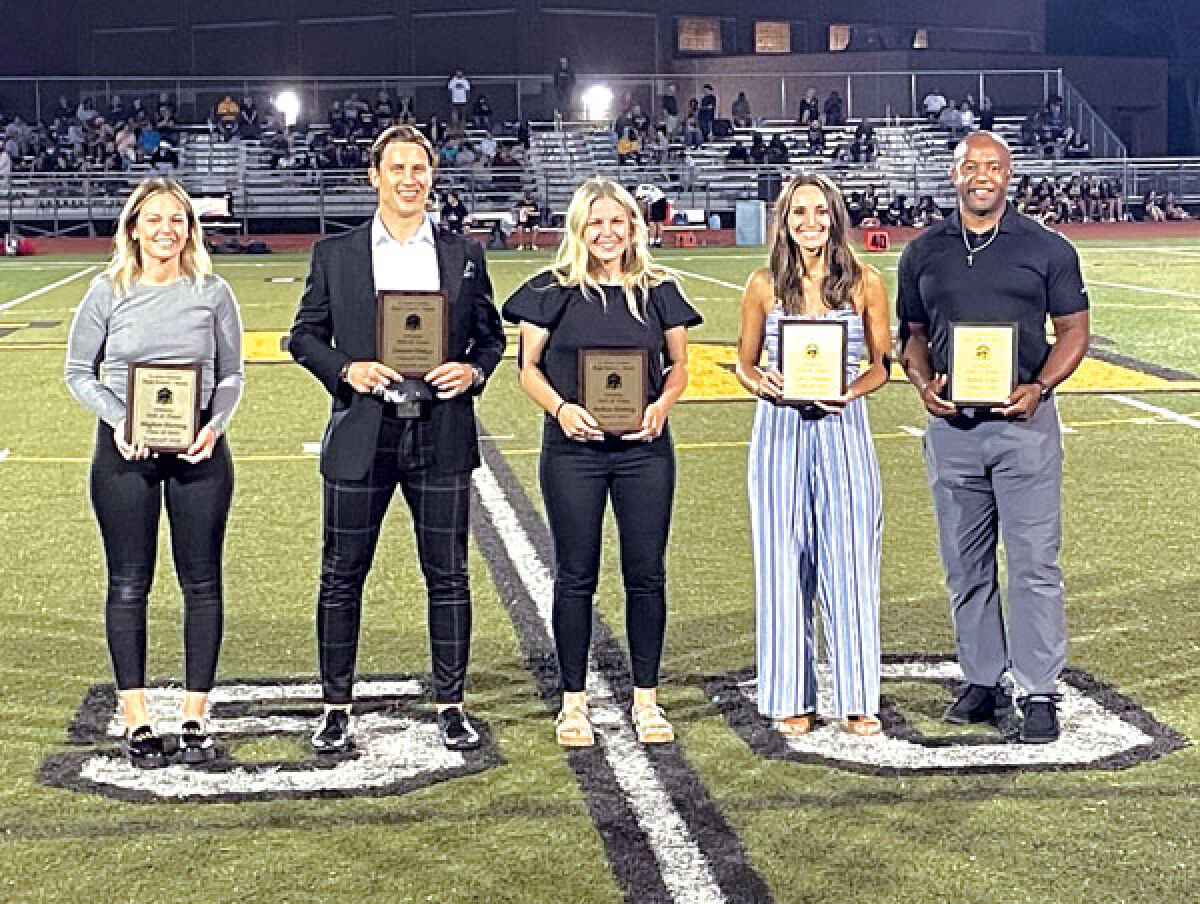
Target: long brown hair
pixel 842 270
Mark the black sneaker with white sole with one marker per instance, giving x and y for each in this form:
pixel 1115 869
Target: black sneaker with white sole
pixel 333 734
pixel 456 730
pixel 195 743
pixel 144 749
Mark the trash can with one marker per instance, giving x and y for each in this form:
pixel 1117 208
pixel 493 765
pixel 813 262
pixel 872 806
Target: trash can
pixel 750 222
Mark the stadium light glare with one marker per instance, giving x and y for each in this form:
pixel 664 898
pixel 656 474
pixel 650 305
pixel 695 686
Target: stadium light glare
pixel 287 103
pixel 596 102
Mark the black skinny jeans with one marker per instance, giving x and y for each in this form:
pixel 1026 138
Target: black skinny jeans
pixel 577 481
pixel 127 497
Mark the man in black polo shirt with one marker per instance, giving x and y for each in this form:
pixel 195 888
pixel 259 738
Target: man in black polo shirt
pixel 997 472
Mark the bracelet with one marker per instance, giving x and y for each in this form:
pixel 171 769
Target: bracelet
pixel 559 408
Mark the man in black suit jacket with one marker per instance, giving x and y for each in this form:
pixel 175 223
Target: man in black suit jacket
pixel 386 432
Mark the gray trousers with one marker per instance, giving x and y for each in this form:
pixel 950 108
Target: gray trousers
pixel 992 480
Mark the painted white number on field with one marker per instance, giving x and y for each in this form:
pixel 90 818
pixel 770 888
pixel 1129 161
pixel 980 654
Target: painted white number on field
pixel 395 752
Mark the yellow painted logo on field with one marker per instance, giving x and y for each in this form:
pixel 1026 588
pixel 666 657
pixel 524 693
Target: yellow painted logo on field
pixel 264 346
pixel 711 379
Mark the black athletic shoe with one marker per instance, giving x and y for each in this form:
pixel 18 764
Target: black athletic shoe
pixel 978 703
pixel 144 749
pixel 195 744
pixel 456 731
pixel 333 734
pixel 1039 724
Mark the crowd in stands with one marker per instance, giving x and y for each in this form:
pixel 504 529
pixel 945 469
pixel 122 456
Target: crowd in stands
pixel 83 138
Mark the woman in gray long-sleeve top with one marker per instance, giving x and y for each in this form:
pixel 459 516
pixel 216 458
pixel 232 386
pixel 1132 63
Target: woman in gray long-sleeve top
pixel 159 301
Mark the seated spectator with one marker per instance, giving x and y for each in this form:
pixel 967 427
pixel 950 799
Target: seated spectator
pixel 693 137
pixel 741 111
pixel 658 146
pixel 1112 199
pixel 64 110
pixel 6 165
pixel 927 212
pixel 628 146
pixel 816 136
pixel 467 155
pixel 126 144
pixel 737 153
pixel 777 152
pixel 455 216
pixel 487 149
pixel 1031 129
pixel 506 170
pixel 898 212
pixel 448 154
pixel 1075 146
pixel 966 117
pixel 933 105
pixel 1054 120
pixel 149 140
pixel 1076 202
pixel 757 152
pixel 834 114
pixel 164 159
pixel 872 206
pixel 810 108
pixel 1152 208
pixel 862 147
pixel 117 113
pixel 226 115
pixel 639 120
pixel 86 111
pixel 1172 209
pixel 949 119
pixel 137 111
pixel 456 129
pixel 481 113
pixel 383 105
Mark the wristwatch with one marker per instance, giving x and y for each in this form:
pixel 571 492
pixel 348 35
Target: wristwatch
pixel 478 377
pixel 1047 390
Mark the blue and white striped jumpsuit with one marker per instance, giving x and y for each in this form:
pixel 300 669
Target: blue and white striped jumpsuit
pixel 816 513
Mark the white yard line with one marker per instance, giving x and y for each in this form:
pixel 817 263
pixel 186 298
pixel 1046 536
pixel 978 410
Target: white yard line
pixel 912 431
pixel 4 453
pixel 711 279
pixel 44 289
pixel 1165 413
pixel 1147 289
pixel 685 871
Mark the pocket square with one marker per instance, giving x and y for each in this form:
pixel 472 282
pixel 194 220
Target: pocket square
pixel 469 270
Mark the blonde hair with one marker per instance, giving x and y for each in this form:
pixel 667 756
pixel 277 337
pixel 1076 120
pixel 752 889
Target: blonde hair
pixel 572 263
pixel 125 267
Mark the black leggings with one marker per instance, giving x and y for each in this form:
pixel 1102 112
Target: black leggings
pixel 127 497
pixel 577 481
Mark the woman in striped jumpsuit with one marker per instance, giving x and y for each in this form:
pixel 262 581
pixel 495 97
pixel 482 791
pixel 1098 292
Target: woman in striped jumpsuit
pixel 815 500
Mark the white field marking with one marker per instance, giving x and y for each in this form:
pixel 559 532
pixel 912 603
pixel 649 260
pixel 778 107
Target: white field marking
pixel 1147 289
pixel 50 288
pixel 912 431
pixel 1065 429
pixel 5 452
pixel 1166 413
pixel 496 437
pixel 1090 732
pixel 712 279
pixel 684 870
pixel 310 448
pixel 391 748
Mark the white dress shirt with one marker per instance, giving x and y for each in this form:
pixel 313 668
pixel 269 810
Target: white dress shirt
pixel 409 265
